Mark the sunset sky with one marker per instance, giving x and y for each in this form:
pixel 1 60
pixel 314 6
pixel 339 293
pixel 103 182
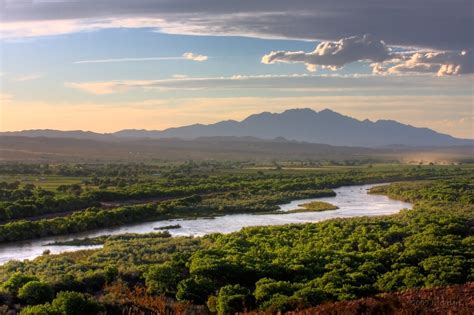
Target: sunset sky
pixel 106 65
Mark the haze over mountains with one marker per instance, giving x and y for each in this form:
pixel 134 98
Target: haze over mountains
pixel 306 125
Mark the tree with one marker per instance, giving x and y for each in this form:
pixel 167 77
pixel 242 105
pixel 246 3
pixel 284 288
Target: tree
pixel 162 279
pixel 232 299
pixel 408 277
pixel 282 303
pixel 443 270
pixel 265 288
pixel 41 309
pixel 75 303
pixel 195 289
pixel 35 292
pixel 16 281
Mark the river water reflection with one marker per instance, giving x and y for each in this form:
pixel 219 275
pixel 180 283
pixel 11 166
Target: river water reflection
pixel 353 201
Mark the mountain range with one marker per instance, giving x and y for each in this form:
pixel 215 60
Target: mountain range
pixel 304 125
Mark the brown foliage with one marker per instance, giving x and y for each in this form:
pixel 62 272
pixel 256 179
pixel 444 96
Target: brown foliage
pixel 456 299
pixel 136 301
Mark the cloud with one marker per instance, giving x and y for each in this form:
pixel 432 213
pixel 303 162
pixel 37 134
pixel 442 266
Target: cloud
pixel 38 28
pixel 334 55
pixel 129 59
pixel 28 77
pixel 421 23
pixel 281 83
pixel 194 57
pixel 441 63
pixel 5 98
pixel 107 87
pixel 185 56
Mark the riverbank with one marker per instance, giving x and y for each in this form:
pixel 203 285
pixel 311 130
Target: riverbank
pixel 352 201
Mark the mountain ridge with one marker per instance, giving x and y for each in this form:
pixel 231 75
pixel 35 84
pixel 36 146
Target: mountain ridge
pixel 299 124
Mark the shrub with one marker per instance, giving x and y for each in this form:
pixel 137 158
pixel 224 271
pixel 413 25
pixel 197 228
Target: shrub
pixel 16 281
pixel 75 303
pixel 195 289
pixel 35 292
pixel 232 299
pixel 42 309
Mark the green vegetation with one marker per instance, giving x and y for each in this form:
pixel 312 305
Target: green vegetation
pixel 35 292
pixel 168 227
pixel 270 268
pixel 315 206
pixel 67 303
pixel 114 195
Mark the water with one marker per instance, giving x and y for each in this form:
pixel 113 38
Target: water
pixel 353 201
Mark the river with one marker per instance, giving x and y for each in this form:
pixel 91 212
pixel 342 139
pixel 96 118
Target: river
pixel 353 201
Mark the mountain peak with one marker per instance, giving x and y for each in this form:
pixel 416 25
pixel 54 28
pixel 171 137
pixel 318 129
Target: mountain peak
pixel 298 124
pixel 305 111
pixel 328 111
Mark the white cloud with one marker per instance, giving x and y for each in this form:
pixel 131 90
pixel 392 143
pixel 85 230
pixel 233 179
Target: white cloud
pixel 441 63
pixel 35 28
pixel 27 77
pixel 334 55
pixel 128 59
pixel 5 98
pixel 107 87
pixel 292 82
pixel 185 56
pixel 194 57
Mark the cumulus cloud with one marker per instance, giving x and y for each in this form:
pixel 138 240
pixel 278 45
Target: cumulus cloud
pixel 194 57
pixel 410 23
pixel 334 55
pixel 441 63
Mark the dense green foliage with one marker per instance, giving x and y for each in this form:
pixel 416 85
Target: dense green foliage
pixel 284 267
pixel 35 292
pixel 193 206
pixel 460 190
pixel 187 190
pixel 67 303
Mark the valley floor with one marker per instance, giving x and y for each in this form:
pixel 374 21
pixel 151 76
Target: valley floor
pixel 345 262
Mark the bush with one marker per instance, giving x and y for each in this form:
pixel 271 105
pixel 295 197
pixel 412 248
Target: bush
pixel 162 279
pixel 42 309
pixel 195 289
pixel 16 281
pixel 232 299
pixel 282 303
pixel 75 303
pixel 35 292
pixel 405 278
pixel 265 288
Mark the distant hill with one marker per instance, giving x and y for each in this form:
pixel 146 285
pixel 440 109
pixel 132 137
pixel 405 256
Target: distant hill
pixel 61 149
pixel 50 133
pixel 324 127
pixel 21 148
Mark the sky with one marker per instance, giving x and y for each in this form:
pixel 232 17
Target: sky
pixel 107 65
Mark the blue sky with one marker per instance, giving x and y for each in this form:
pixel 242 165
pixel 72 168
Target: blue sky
pixel 68 68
